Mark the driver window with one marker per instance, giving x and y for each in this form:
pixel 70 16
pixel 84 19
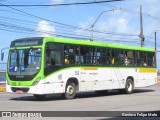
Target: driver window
pixel 52 57
pixel 52 54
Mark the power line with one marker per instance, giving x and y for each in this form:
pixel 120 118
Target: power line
pixel 70 26
pixel 136 12
pixel 37 16
pixel 16 28
pixel 63 4
pixel 73 27
pixel 60 31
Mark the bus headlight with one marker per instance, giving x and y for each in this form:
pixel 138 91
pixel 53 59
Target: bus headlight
pixel 37 81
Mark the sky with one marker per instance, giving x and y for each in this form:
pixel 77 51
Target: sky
pixel 121 26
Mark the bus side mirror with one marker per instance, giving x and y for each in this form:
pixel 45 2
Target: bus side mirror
pixel 2 56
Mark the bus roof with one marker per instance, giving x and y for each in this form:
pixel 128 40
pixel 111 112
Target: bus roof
pixel 99 44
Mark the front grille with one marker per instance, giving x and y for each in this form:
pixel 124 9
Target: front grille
pixel 14 89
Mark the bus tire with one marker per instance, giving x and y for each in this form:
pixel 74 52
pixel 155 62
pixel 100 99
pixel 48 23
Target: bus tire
pixel 39 97
pixel 129 86
pixel 70 91
pixel 101 92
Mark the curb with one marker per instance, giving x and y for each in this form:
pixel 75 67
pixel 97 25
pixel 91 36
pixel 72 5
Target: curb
pixel 2 89
pixel 2 86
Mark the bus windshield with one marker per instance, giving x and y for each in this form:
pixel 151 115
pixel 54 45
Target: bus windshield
pixel 24 61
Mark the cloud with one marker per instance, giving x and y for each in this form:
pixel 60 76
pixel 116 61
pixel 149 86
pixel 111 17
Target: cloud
pixel 85 25
pixel 128 22
pixel 114 24
pixel 45 29
pixel 122 25
pixel 151 1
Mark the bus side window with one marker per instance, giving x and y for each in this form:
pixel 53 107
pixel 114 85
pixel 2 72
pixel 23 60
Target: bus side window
pixel 130 58
pixel 116 60
pixel 138 58
pixel 88 55
pixel 77 56
pixel 71 54
pixel 84 55
pixel 143 59
pixel 134 61
pixel 151 59
pixel 52 54
pixel 103 56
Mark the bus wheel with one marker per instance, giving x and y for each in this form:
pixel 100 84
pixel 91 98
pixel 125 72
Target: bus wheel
pixel 101 92
pixel 129 86
pixel 39 97
pixel 70 91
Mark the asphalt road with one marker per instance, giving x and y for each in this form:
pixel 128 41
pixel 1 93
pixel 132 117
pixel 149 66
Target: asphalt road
pixel 143 99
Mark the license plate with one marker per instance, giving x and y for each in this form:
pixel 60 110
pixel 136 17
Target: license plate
pixel 19 91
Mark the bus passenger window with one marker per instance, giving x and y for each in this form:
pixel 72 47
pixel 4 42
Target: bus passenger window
pixel 121 58
pixel 150 57
pixel 103 56
pixel 88 55
pixel 66 60
pixel 116 60
pixel 71 54
pixel 129 58
pixel 77 57
pixel 126 60
pixel 143 59
pixel 112 61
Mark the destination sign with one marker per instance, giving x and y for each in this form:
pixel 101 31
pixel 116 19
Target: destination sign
pixel 27 42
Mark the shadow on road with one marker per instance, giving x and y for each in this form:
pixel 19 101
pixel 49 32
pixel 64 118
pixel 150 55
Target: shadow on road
pixel 111 93
pixel 81 95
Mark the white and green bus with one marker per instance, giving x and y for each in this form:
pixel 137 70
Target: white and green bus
pixel 48 65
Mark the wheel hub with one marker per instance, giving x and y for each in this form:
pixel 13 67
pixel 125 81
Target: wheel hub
pixel 129 86
pixel 70 90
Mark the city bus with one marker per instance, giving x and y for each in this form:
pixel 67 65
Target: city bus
pixel 50 65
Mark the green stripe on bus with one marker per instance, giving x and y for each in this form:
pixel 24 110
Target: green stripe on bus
pixel 92 43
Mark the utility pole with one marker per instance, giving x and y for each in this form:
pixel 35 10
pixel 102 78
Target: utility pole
pixel 155 34
pixel 141 26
